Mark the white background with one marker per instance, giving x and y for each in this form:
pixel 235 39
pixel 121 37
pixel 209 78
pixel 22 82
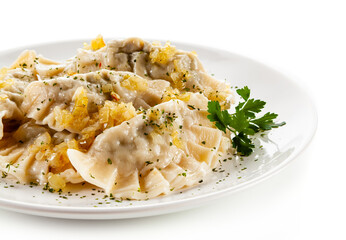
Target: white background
pixel 304 38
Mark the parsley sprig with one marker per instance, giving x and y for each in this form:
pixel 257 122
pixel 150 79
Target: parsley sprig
pixel 244 122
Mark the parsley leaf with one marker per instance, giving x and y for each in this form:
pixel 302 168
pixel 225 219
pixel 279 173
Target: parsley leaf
pixel 266 122
pixel 221 118
pixel 251 107
pixel 244 122
pixel 240 123
pixel 244 92
pixel 243 144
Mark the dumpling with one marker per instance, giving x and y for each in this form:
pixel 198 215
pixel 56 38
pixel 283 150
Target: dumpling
pixel 11 96
pixel 43 99
pixel 10 115
pixel 74 103
pixel 13 82
pixel 161 149
pixel 152 61
pixel 34 153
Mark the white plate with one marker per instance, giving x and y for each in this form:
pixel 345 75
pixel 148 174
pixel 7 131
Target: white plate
pixel 283 96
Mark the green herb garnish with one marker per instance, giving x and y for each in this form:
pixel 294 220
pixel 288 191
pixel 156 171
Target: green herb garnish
pixel 244 122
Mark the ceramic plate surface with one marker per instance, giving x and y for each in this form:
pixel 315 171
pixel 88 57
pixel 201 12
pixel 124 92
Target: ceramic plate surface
pixel 283 96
